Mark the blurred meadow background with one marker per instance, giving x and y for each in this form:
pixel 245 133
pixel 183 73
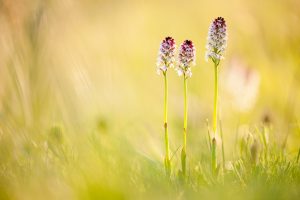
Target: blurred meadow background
pixel 81 105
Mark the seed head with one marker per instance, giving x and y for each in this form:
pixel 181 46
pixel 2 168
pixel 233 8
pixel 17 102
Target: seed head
pixel 216 40
pixel 186 58
pixel 166 55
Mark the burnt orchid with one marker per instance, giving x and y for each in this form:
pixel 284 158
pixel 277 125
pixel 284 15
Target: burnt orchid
pixel 166 55
pixel 186 59
pixel 215 48
pixel 166 59
pixel 216 40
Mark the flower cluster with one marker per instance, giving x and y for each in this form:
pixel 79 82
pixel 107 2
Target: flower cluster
pixel 216 40
pixel 166 55
pixel 186 58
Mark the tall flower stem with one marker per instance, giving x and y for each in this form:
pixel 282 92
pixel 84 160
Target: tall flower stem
pixel 183 152
pixel 215 121
pixel 215 115
pixel 167 157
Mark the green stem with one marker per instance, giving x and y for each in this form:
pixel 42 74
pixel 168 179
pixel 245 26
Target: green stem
pixel 215 125
pixel 214 163
pixel 185 112
pixel 215 115
pixel 183 153
pixel 223 151
pixel 167 158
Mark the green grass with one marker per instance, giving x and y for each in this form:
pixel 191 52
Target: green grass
pixel 103 166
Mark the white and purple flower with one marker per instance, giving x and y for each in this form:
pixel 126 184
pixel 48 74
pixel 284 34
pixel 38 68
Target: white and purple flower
pixel 216 40
pixel 186 58
pixel 166 55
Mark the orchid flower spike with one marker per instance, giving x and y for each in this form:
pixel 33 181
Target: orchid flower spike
pixel 186 58
pixel 216 40
pixel 166 55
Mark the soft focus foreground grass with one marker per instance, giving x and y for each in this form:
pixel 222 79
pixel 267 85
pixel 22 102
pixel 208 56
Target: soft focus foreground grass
pixel 81 108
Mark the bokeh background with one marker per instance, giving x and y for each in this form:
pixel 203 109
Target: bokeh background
pixel 81 105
